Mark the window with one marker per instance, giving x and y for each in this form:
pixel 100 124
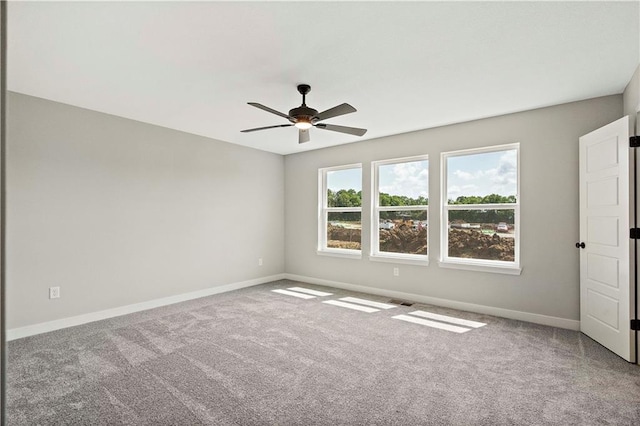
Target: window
pixel 400 217
pixel 340 215
pixel 481 209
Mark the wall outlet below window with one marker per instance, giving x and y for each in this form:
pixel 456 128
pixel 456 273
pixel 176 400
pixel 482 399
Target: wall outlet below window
pixel 396 272
pixel 54 292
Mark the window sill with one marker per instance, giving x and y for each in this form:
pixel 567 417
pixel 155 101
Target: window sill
pixel 343 253
pixel 406 259
pixel 480 267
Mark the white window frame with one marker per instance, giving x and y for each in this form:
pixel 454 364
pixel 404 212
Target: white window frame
pixel 375 253
pixel 324 210
pixel 512 268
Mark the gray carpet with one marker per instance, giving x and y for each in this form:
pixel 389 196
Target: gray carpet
pixel 255 357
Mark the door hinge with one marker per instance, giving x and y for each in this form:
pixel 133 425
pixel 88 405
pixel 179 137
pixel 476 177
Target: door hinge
pixel 634 233
pixel 635 325
pixel 634 141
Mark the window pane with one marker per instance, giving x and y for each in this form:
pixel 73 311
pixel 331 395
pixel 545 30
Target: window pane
pixel 344 230
pixel 404 184
pixel 403 232
pixel 485 178
pixel 344 188
pixel 482 234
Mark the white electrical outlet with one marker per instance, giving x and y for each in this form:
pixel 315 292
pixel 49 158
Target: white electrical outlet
pixel 54 292
pixel 260 261
pixel 396 272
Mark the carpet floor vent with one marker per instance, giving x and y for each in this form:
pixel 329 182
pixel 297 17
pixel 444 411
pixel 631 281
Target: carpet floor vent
pixel 400 302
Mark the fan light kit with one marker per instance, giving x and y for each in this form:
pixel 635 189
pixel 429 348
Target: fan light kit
pixel 305 118
pixel 303 124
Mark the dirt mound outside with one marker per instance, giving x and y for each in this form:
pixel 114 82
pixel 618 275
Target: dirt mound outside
pixel 404 240
pixel 476 245
pixel 463 243
pixel 344 238
pixel 396 240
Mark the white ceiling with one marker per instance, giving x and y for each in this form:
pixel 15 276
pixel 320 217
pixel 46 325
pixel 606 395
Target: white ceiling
pixel 404 66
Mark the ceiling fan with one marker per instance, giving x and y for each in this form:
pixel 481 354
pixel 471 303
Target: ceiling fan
pixel 305 118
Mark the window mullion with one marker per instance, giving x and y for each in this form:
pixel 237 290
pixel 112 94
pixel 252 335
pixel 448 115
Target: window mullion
pixel 481 206
pixel 402 208
pixel 343 209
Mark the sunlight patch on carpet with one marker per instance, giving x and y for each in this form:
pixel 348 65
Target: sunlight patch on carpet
pixel 367 302
pixel 433 324
pixel 310 291
pixel 294 294
pixel 445 318
pixel 351 306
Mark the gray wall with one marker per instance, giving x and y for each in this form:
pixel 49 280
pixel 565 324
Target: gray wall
pixel 549 283
pixel 631 102
pixel 117 212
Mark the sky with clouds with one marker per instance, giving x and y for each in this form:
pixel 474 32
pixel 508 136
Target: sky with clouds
pixel 344 179
pixel 483 174
pixel 471 174
pixel 409 179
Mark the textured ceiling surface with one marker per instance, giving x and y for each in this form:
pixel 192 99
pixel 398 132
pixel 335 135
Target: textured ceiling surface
pixel 404 66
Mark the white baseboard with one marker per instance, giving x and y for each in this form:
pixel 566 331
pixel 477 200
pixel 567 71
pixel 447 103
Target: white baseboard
pixel 30 330
pixel 463 306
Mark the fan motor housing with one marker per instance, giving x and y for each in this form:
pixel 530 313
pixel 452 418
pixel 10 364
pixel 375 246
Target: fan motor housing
pixel 303 112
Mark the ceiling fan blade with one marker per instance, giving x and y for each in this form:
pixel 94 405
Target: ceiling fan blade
pixel 342 129
pixel 303 136
pixel 335 111
pixel 271 110
pixel 265 128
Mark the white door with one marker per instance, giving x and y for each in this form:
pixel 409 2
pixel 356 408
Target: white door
pixel 605 258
